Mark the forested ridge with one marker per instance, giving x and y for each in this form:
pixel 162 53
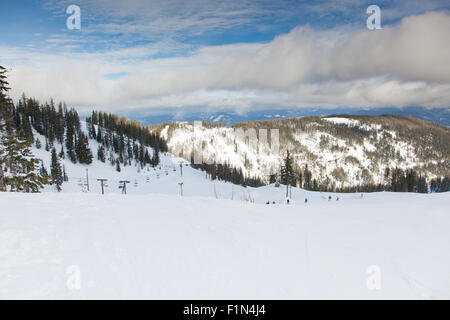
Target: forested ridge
pixel 122 142
pixel 341 153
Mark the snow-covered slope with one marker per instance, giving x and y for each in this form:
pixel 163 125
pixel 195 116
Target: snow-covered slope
pixel 340 151
pixel 164 178
pixel 217 241
pixel 76 246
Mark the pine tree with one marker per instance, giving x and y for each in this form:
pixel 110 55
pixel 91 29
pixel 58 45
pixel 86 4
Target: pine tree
pixel 155 158
pixel 147 158
pixel 38 143
pixel 117 165
pixel 70 145
pixel 287 171
pixel 307 178
pixel 4 118
pixel 101 153
pixel 19 167
pixel 56 171
pixel 99 134
pixel 300 179
pixel 82 150
pixel 19 170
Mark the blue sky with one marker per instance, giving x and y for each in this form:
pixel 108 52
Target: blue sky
pixel 243 54
pixel 106 25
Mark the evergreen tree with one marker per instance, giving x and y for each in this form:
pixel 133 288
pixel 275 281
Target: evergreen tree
pixel 4 118
pixel 272 178
pixel 91 129
pixel 99 134
pixel 307 175
pixel 70 145
pixel 101 153
pixel 287 171
pixel 38 143
pixel 315 186
pixel 82 150
pixel 147 158
pixel 56 171
pixel 19 170
pixel 155 158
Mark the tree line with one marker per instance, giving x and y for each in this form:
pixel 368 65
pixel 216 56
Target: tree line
pixel 225 172
pixel 395 180
pixel 121 141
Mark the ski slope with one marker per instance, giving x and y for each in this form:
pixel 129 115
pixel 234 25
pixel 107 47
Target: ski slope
pixel 218 241
pixel 166 246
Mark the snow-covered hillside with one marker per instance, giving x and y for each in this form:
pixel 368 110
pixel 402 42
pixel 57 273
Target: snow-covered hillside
pixel 340 151
pixel 76 246
pixel 164 178
pixel 218 241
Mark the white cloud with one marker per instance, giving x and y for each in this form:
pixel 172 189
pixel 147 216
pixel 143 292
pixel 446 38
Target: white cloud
pixel 399 65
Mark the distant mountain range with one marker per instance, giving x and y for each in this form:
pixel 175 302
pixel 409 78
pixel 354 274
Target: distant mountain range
pixel 230 117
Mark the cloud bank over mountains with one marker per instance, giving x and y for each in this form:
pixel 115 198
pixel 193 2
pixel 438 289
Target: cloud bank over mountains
pixel 406 63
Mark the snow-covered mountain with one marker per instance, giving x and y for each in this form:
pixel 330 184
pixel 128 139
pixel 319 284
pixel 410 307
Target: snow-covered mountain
pixel 230 117
pixel 342 151
pixel 218 240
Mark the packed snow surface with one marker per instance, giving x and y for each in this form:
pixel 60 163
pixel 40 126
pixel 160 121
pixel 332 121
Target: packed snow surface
pixel 165 246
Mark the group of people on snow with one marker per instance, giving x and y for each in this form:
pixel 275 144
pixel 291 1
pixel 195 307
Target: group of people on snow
pixel 306 199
